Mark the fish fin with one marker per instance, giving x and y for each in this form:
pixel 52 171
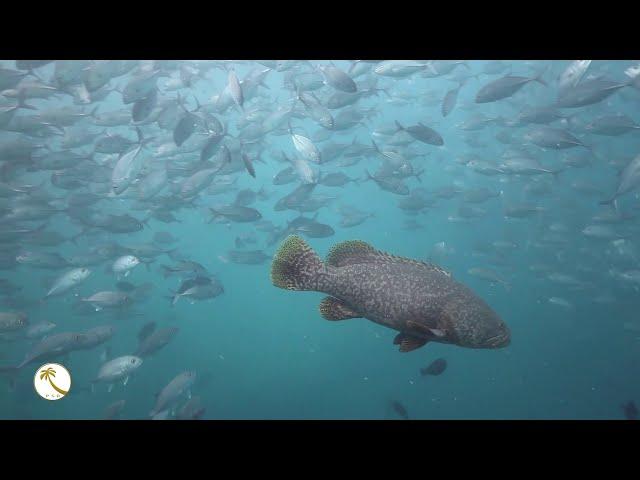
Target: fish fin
pixel 434 332
pixel 353 252
pixel 295 265
pixel 349 253
pixel 437 332
pixel 408 343
pixel 110 388
pixel 538 78
pixel 106 353
pixel 333 309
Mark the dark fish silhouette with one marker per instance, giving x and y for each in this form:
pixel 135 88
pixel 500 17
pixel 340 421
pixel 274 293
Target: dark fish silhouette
pixel 146 330
pixel 435 368
pixel 630 410
pixel 400 410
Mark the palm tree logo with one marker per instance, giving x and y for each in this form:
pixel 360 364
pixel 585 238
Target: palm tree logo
pixel 48 386
pixel 48 374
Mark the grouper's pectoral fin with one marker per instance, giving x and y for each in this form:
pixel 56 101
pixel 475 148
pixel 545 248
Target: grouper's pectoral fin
pixel 435 332
pixel 408 343
pixel 333 309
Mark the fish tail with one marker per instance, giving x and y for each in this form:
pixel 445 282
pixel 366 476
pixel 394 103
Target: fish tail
pixel 174 298
pixel 214 215
pixel 295 265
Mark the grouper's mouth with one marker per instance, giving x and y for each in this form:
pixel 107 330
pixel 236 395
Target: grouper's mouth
pixel 503 339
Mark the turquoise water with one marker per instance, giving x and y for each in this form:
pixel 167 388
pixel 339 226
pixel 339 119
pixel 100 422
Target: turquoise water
pixel 266 353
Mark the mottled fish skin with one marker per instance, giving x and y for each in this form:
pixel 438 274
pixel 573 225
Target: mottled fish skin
pixel 418 299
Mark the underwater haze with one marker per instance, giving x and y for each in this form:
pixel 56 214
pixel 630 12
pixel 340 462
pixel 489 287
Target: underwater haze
pixel 179 235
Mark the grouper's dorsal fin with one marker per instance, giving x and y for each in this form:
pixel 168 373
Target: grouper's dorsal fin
pixel 354 252
pixel 350 252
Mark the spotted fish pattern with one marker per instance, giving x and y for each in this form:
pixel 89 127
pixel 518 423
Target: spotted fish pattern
pixel 420 300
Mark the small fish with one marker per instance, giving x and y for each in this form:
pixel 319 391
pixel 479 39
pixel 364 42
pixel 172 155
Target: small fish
pixel 146 330
pixel 120 368
pixel 248 165
pixel 630 410
pixel 400 410
pixel 423 134
pixel 572 75
pixel 505 87
pixel 237 213
pixel 171 393
pixel 68 280
pixel 435 368
pixel 113 410
pixel 235 89
pixel 155 341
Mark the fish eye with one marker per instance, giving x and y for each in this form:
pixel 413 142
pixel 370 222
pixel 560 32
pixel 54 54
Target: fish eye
pixel 133 360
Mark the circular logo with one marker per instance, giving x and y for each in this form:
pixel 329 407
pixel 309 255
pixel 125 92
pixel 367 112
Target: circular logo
pixel 52 381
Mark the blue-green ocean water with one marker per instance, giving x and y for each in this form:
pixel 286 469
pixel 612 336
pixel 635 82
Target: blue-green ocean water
pixel 267 352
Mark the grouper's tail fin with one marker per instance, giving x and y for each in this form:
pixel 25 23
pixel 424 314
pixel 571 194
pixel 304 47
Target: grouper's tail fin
pixel 295 265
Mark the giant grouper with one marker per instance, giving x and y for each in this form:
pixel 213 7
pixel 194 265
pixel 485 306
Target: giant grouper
pixel 420 300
